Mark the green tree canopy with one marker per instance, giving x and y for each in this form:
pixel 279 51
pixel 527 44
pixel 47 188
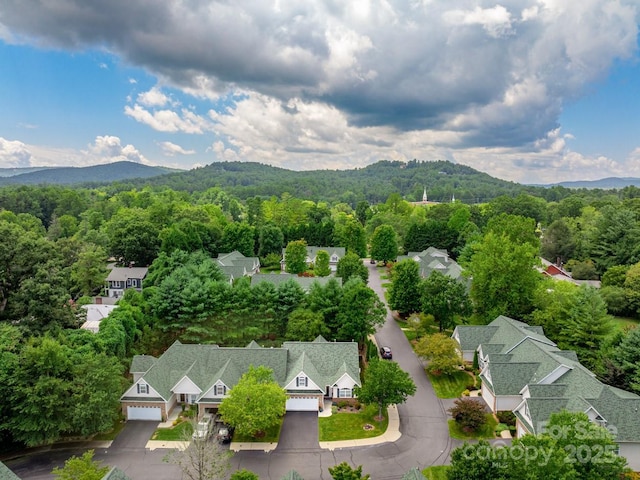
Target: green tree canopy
pixel 321 267
pixel 350 266
pixel 444 298
pixel 344 471
pixel 384 243
pixel 81 468
pixel 504 277
pixel 404 292
pixel 295 257
pixel 384 384
pixel 442 352
pixel 360 312
pixel 255 403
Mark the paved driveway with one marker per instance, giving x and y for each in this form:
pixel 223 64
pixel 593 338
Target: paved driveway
pixel 299 431
pixel 135 434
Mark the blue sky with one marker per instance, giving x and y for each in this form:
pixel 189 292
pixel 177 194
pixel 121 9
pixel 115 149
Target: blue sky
pixel 535 91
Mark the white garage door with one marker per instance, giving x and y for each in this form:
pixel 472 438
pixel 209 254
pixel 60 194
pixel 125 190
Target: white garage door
pixel 144 413
pixel 302 405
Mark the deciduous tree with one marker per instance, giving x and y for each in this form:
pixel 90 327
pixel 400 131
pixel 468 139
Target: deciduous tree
pixel 404 291
pixel 255 403
pixel 445 298
pixel 361 311
pixel 504 277
pixel 295 257
pixel 200 459
pixel 384 384
pixel 344 471
pixel 321 267
pixel 350 266
pixel 384 244
pixel 81 468
pixel 442 352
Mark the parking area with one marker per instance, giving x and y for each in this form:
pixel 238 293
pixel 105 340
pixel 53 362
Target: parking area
pixel 135 434
pixel 299 431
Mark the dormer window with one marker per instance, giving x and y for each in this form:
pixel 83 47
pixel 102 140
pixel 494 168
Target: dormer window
pixel 143 388
pixel 220 390
pixel 302 381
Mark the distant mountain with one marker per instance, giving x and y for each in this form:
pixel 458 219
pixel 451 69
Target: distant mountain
pixel 106 173
pixel 11 172
pixel 604 183
pixel 375 183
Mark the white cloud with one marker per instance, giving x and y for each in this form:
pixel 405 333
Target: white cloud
pixel 496 20
pixel 109 148
pixel 171 149
pixel 169 121
pixel 14 154
pixel 153 98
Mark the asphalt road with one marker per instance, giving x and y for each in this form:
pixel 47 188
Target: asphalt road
pixel 423 422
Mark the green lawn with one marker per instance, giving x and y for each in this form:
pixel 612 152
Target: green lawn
pixel 450 386
pixel 436 472
pixel 182 431
pixel 623 322
pixel 272 435
pixel 487 431
pixel 349 426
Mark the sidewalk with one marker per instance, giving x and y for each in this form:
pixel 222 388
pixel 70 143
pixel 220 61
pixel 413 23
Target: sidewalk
pixel 391 435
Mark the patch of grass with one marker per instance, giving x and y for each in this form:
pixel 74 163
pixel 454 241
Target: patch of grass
pixel 450 386
pixel 181 431
pixel 111 434
pixel 438 472
pixel 486 431
pixel 350 426
pixel 624 322
pixel 272 435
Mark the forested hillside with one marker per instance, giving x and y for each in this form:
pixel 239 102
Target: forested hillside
pixel 76 175
pixel 55 242
pixel 374 183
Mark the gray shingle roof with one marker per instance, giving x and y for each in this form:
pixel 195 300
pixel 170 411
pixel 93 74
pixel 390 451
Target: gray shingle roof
pixel 142 363
pixel 323 362
pixel 6 474
pixel 122 274
pixel 413 474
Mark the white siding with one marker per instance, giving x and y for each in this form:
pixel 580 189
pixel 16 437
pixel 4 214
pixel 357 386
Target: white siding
pixel 186 385
pixel 488 397
pixel 507 402
pixel 631 451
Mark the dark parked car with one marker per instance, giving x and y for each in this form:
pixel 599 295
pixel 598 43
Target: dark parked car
pixel 385 352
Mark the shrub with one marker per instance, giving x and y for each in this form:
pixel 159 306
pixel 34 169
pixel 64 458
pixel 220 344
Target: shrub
pixel 466 393
pixel 343 404
pixel 469 413
pixel 507 417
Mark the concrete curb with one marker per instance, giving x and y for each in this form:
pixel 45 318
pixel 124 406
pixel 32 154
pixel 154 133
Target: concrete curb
pixel 391 435
pixel 174 445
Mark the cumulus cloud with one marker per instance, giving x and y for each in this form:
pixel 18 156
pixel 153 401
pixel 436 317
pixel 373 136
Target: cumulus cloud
pixel 380 63
pixel 171 149
pixel 184 121
pixel 153 98
pixel 14 154
pixel 338 84
pixel 108 148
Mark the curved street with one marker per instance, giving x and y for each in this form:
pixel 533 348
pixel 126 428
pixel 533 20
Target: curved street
pixel 423 423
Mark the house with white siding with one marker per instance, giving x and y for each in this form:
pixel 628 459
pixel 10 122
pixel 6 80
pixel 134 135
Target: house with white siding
pixel 203 375
pixel 524 372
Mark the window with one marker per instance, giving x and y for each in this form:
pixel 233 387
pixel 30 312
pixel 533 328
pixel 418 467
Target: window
pixel 220 390
pixel 302 381
pixel 344 393
pixel 143 388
